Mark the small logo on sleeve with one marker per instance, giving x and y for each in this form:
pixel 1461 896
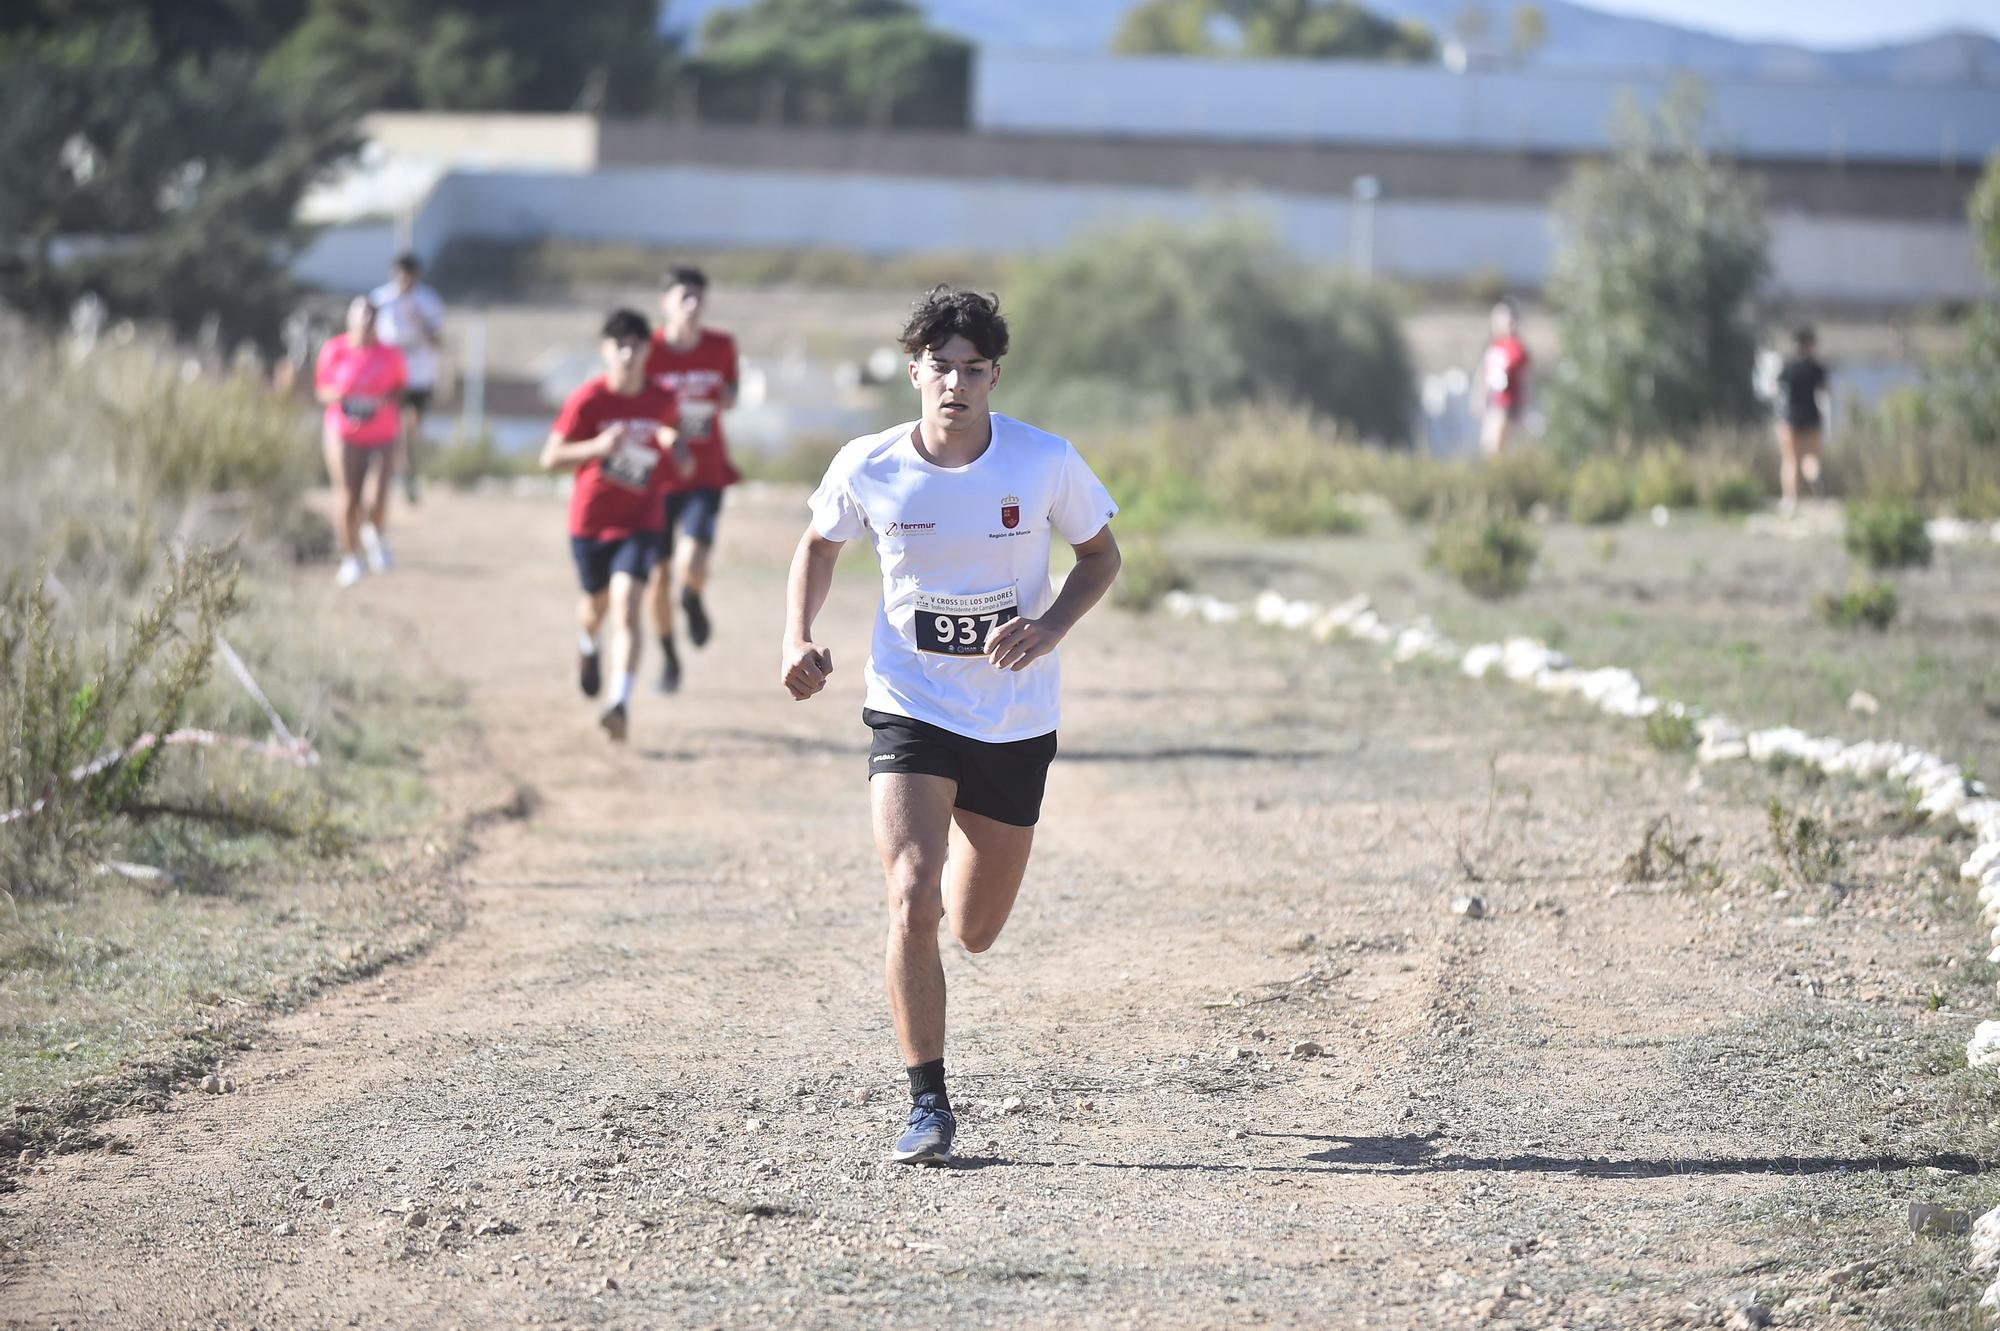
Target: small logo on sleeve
pixel 1010 512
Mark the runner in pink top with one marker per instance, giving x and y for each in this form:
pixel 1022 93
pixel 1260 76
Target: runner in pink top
pixel 360 379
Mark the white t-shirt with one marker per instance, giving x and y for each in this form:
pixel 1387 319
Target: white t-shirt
pixel 408 320
pixel 963 550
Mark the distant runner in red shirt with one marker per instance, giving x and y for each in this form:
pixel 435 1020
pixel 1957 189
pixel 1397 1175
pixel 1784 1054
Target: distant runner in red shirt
pixel 618 432
pixel 699 366
pixel 1503 374
pixel 360 381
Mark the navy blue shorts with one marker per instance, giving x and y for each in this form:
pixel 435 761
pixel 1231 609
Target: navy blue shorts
pixel 694 512
pixel 596 560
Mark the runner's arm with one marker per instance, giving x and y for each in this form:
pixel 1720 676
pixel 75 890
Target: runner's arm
pixel 674 446
pixel 325 387
pixel 560 452
pixel 1019 642
pixel 806 664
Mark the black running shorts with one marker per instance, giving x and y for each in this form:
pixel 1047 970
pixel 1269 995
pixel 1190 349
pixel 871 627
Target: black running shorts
pixel 1003 782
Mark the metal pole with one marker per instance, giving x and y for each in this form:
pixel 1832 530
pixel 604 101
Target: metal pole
pixel 1367 190
pixel 473 414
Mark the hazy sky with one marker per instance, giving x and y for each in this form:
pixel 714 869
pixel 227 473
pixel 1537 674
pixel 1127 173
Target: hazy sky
pixel 1820 22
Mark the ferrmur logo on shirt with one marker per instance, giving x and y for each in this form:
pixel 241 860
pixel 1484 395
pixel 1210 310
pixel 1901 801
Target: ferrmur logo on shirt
pixel 909 528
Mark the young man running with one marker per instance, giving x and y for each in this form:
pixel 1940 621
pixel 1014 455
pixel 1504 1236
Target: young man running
pixel 1803 404
pixel 698 365
pixel 360 381
pixel 961 506
pixel 1504 375
pixel 618 432
pixel 411 318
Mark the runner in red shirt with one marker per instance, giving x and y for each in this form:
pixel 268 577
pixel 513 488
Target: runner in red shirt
pixel 359 379
pixel 1504 374
pixel 619 432
pixel 699 365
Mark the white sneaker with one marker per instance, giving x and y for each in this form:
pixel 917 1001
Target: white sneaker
pixel 377 549
pixel 350 573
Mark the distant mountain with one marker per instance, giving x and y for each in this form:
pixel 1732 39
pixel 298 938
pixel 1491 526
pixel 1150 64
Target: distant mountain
pixel 1579 38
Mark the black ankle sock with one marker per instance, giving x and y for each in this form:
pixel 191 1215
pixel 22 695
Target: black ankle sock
pixel 667 646
pixel 928 1079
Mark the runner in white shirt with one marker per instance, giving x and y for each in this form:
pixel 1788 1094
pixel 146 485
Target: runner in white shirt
pixel 410 316
pixel 961 506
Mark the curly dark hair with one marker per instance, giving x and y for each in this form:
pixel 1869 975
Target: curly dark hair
pixel 945 313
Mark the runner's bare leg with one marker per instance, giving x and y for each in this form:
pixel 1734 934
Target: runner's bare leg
pixel 591 608
pixel 988 861
pixel 660 595
pixel 912 814
pixel 694 570
pixel 624 616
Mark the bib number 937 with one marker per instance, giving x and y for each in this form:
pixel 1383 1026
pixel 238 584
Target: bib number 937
pixel 961 625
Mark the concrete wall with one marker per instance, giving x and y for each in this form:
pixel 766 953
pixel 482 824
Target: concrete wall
pixel 350 258
pixel 1340 101
pixel 484 141
pixel 1817 258
pixel 1896 189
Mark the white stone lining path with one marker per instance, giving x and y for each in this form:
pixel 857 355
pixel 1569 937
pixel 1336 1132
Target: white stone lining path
pixel 1827 521
pixel 1942 789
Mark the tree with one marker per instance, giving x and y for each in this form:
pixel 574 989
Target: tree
pixel 1527 31
pixel 1961 392
pixel 1271 29
pixel 1662 260
pixel 512 55
pixel 1472 25
pixel 830 62
pixel 160 174
pixel 1166 27
pixel 1162 319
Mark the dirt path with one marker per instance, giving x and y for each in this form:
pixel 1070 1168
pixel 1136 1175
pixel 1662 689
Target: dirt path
pixel 1588 1108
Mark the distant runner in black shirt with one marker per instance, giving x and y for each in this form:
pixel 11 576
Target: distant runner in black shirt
pixel 1802 411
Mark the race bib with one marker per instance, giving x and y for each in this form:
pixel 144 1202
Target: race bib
pixel 698 421
pixel 631 464
pixel 960 625
pixel 360 410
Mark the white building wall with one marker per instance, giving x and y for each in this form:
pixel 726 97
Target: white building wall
pixel 349 259
pixel 1429 106
pixel 1814 258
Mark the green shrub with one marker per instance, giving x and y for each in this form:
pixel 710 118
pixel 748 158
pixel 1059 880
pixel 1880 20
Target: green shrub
pixel 1490 556
pixel 1663 479
pixel 1904 448
pixel 464 463
pixel 1869 603
pixel 108 457
pixel 58 716
pixel 1147 574
pixel 1421 488
pixel 1730 488
pixel 1670 732
pixel 1657 280
pixel 1164 319
pixel 1600 492
pixel 1889 534
pixel 1804 846
pixel 123 475
pixel 1283 481
pixel 802 461
pixel 1519 481
pixel 1158 472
